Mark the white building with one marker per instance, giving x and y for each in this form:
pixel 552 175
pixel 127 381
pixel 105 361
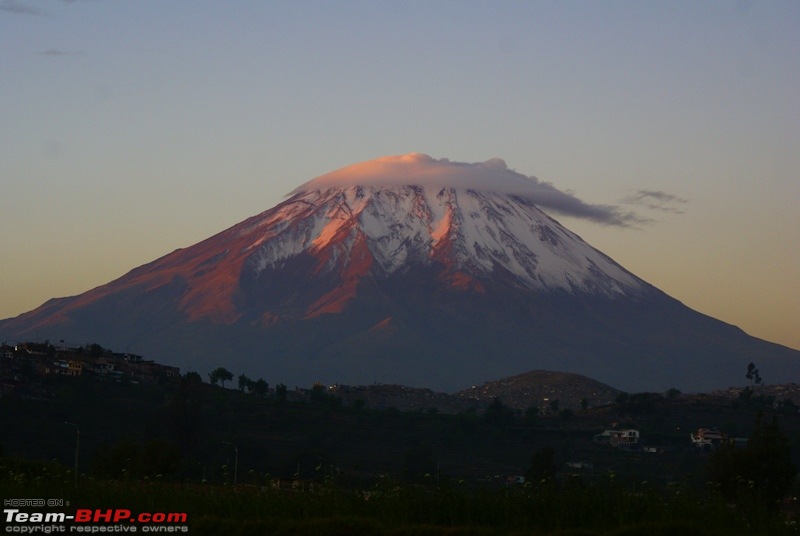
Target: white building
pixel 619 438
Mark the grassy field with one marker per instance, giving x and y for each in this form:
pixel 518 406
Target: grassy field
pixel 392 508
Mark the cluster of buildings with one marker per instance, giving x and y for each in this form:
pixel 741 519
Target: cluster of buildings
pixel 21 362
pixel 631 439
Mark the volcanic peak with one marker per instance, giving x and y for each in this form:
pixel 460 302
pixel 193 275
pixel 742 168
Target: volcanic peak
pixel 477 280
pixel 477 232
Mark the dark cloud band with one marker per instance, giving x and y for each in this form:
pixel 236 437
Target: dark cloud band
pixel 656 200
pixel 9 6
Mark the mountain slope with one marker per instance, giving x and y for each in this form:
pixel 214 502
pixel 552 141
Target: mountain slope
pixel 540 388
pixel 406 270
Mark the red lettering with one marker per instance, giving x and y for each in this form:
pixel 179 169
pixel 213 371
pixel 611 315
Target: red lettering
pixel 100 516
pixel 83 515
pixel 119 515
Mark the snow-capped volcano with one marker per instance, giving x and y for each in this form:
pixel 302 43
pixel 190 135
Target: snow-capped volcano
pixel 473 232
pixel 410 270
pixel 476 221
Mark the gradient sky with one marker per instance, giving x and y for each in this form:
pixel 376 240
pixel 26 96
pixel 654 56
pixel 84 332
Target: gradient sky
pixel 131 128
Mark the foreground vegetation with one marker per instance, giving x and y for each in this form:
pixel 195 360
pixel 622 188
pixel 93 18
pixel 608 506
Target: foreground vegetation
pixel 320 508
pixel 250 463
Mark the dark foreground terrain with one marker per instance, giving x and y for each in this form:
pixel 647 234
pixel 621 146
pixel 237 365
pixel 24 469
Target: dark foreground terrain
pixel 305 462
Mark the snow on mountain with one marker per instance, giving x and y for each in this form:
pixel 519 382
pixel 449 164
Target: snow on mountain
pixel 476 231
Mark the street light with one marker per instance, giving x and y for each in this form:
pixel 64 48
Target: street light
pixel 235 462
pixel 77 448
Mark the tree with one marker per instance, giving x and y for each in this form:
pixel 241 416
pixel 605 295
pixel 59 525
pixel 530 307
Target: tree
pixel 543 468
pixel 220 374
pixel 498 413
pixel 762 471
pixel 788 405
pixel 638 403
pixel 318 394
pixel 260 387
pixel 753 375
pixel 280 391
pixel 554 404
pixel 244 381
pixel 193 377
pixel 584 403
pixel 531 413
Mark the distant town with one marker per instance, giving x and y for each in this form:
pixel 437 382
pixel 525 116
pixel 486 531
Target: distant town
pixel 21 361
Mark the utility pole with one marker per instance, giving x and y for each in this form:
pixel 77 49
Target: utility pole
pixel 77 447
pixel 235 462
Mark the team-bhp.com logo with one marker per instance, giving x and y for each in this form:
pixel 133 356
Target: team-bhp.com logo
pixel 93 521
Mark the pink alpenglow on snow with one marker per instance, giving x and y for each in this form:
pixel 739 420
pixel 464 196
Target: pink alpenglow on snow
pixel 493 175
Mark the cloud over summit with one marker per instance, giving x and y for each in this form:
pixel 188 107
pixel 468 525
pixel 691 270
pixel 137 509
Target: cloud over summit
pixel 415 169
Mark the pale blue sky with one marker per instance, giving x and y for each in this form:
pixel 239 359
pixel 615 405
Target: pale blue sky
pixel 129 129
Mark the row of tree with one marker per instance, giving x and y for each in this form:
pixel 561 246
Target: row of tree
pixel 258 387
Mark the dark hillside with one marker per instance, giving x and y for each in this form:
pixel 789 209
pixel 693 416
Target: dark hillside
pixel 311 435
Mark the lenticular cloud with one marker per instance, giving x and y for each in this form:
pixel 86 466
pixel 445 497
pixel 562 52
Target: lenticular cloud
pixel 422 170
pixel 415 169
